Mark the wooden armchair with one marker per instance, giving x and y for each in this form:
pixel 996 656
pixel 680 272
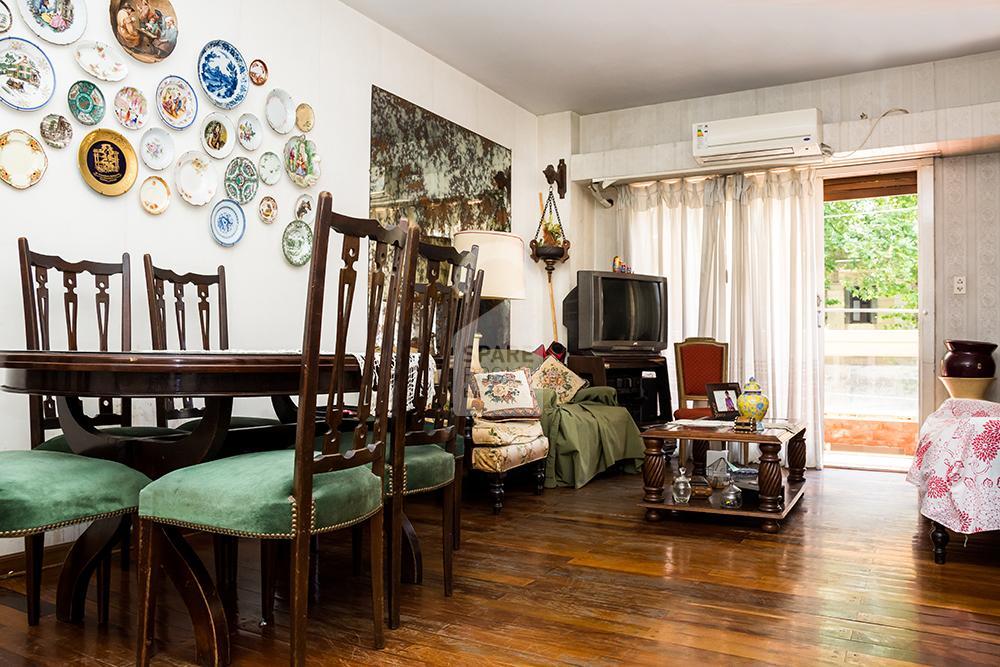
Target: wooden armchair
pixel 699 362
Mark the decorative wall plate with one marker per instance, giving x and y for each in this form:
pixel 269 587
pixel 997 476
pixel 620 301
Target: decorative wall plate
pixel 86 102
pixel 241 180
pixel 249 131
pixel 6 18
pixel 131 108
pixel 28 81
pixel 218 136
pixel 176 102
pixel 22 159
pixel 280 111
pixel 267 209
pixel 108 162
pixel 258 72
pixel 223 74
pixel 154 195
pixel 304 207
pixel 269 168
pixel 305 117
pixel 56 130
pixel 146 29
pixel 228 223
pixel 100 60
pixel 297 243
pixel 196 178
pixel 157 149
pixel 302 161
pixel 56 21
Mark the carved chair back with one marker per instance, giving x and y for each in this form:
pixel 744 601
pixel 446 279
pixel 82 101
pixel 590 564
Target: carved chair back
pixel 392 272
pixel 699 361
pixel 157 281
pixel 35 291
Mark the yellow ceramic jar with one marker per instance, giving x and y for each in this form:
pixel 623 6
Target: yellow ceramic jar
pixel 752 403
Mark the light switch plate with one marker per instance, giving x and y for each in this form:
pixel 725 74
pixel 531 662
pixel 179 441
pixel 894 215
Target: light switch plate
pixel 959 284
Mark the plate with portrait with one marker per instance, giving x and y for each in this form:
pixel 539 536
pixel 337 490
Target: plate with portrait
pixel 56 21
pixel 218 135
pixel 176 102
pixel 108 162
pixel 146 29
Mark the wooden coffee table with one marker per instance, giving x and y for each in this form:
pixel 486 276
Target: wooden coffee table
pixel 778 495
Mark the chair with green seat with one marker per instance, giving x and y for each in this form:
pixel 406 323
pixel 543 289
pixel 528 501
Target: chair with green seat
pixel 49 486
pixel 294 495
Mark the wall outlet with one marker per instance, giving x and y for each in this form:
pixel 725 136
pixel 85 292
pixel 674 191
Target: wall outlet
pixel 958 283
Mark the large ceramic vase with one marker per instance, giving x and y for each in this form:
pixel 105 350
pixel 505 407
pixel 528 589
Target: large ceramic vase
pixel 968 359
pixel 752 403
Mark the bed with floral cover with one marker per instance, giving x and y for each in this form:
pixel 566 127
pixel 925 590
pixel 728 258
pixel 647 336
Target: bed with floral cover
pixel 956 469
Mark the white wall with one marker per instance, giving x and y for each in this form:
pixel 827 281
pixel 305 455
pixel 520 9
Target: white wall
pixel 323 53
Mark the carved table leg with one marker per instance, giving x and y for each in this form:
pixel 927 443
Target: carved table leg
pixel 769 482
pixel 699 455
pixel 87 554
pixel 653 473
pixel 797 460
pixel 939 537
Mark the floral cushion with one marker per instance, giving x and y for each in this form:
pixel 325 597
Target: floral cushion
pixel 554 375
pixel 507 395
pixel 502 459
pixel 495 434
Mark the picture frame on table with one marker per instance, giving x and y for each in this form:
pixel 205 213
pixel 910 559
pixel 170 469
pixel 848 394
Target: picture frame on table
pixel 722 399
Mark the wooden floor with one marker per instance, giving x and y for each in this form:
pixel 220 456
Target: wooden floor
pixel 578 577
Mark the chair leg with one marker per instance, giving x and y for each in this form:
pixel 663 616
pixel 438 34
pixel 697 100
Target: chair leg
pixel 939 538
pixel 104 590
pixel 357 547
pixel 226 548
pixel 447 536
pixel 299 603
pixel 377 557
pixel 496 490
pixel 126 547
pixel 150 548
pixel 268 579
pixel 540 477
pixel 34 550
pixel 459 472
pixel 394 534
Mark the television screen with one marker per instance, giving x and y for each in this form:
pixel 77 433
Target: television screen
pixel 631 310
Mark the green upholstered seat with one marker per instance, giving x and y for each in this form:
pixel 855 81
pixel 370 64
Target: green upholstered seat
pixel 251 495
pixel 41 490
pixel 59 444
pixel 459 440
pixel 427 466
pixel 235 422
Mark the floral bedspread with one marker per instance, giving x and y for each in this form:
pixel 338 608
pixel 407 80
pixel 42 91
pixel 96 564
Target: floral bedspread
pixel 957 467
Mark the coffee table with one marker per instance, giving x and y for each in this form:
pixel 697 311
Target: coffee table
pixel 778 495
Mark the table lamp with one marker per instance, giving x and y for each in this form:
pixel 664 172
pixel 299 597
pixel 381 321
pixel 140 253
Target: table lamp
pixel 501 258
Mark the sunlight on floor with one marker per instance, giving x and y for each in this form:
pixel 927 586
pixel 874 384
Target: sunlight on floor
pixel 865 461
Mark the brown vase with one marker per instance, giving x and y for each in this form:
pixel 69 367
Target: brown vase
pixel 968 359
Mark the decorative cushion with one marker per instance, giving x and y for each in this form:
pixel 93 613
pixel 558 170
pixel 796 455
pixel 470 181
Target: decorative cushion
pixel 251 495
pixel 692 413
pixel 41 490
pixel 554 375
pixel 508 457
pixel 507 395
pixel 235 422
pixel 59 444
pixel 497 434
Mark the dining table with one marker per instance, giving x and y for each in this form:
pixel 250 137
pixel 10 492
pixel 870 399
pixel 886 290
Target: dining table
pixel 218 378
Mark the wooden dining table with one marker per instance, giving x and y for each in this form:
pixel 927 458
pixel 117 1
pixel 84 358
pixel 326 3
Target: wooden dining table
pixel 218 377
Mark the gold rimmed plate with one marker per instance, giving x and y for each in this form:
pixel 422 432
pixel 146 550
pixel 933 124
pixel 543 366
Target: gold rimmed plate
pixel 108 162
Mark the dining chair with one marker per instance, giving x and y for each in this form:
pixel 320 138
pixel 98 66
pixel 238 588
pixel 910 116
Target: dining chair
pixel 49 486
pixel 700 361
pixel 293 495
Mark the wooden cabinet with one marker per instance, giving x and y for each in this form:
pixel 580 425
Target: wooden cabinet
pixel 640 378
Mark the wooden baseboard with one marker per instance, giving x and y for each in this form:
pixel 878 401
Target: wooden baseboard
pixel 12 565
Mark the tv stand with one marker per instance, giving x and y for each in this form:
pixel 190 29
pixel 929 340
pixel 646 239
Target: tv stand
pixel 640 378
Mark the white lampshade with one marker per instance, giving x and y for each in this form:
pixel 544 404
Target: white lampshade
pixel 501 257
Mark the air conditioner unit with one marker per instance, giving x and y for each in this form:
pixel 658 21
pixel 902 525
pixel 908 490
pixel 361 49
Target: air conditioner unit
pixel 785 137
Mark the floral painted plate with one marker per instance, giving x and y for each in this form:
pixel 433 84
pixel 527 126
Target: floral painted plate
pixel 154 195
pixel 176 102
pixel 86 102
pixel 6 19
pixel 223 74
pixel 56 130
pixel 249 131
pixel 241 180
pixel 228 223
pixel 131 108
pixel 100 61
pixel 258 72
pixel 305 117
pixel 196 178
pixel 218 136
pixel 280 111
pixel 269 168
pixel 297 243
pixel 157 149
pixel 29 81
pixel 56 21
pixel 22 159
pixel 304 207
pixel 108 162
pixel 146 29
pixel 302 161
pixel 267 209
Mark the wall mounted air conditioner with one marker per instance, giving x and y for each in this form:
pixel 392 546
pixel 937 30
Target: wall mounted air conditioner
pixel 784 137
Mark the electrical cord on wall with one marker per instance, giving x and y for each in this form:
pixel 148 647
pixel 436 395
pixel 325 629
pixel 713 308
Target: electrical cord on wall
pixel 871 131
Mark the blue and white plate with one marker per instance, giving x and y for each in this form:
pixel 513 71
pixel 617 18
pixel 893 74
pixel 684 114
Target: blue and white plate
pixel 223 74
pixel 228 223
pixel 29 80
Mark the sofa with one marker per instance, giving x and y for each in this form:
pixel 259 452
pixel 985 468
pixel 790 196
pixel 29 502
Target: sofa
pixel 587 435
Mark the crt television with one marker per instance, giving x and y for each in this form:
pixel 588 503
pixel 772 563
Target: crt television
pixel 616 312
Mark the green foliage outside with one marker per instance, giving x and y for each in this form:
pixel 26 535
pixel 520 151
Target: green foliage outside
pixel 871 249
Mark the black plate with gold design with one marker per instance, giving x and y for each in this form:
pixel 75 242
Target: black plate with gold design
pixel 108 162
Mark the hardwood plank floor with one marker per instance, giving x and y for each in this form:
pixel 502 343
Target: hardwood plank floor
pixel 577 577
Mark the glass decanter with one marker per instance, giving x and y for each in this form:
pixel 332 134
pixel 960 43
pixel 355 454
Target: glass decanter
pixel 681 488
pixel 732 497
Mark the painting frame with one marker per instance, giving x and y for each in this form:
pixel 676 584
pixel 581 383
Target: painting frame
pixel 717 393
